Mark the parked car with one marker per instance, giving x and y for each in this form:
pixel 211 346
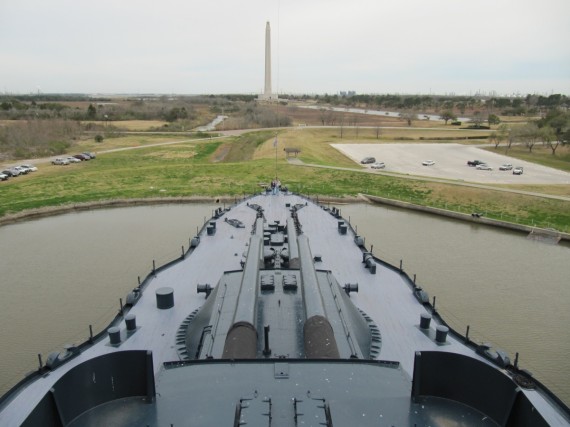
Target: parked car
pixel 367 160
pixel 82 157
pixel 428 163
pixel 23 171
pixel 60 161
pixel 506 167
pixel 9 173
pixel 518 170
pixel 73 159
pixel 3 177
pixel 378 165
pixel 484 167
pixel 91 155
pixel 32 168
pixel 475 162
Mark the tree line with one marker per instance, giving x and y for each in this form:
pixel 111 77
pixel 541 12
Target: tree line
pixel 507 106
pixel 553 130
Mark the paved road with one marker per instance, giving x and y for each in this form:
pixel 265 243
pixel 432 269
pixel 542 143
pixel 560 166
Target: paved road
pixel 298 162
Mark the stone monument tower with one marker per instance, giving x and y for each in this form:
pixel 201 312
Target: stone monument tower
pixel 267 92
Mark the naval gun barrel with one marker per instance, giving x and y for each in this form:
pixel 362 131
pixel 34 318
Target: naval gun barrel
pixel 293 247
pixel 241 340
pixel 318 335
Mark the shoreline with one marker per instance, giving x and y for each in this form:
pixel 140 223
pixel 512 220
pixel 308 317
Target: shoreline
pixel 541 233
pixel 48 211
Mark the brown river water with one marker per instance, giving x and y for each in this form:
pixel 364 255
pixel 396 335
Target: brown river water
pixel 58 275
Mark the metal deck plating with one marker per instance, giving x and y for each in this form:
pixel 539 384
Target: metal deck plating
pixel 282 339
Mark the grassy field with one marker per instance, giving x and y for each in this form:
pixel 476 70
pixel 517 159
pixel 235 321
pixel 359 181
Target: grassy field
pixel 237 165
pixel 129 141
pixel 135 125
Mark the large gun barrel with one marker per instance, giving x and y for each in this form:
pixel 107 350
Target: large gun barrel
pixel 241 341
pixel 318 335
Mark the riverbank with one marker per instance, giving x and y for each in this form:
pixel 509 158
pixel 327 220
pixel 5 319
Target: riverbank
pixel 474 218
pixel 366 198
pixel 105 204
pixel 47 211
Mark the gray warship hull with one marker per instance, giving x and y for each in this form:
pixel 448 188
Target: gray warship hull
pixel 279 315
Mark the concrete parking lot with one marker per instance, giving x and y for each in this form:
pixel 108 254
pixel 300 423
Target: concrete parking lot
pixel 451 163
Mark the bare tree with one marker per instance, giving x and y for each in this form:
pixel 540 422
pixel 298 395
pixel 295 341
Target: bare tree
pixel 527 134
pixel 531 135
pixel 355 122
pixel 341 124
pixel 331 117
pixel 378 132
pixel 549 139
pixel 408 116
pixel 323 115
pixel 500 135
pixel 477 119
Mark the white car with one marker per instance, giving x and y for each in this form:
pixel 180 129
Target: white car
pixel 378 165
pixel 506 167
pixel 3 177
pixel 60 161
pixel 22 170
pixel 73 160
pixel 484 167
pixel 518 170
pixel 428 163
pixel 31 168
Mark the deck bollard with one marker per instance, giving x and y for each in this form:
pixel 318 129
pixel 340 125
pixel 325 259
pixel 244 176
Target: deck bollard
pixel 425 320
pixel 114 335
pixel 165 298
pixel 131 322
pixel 441 334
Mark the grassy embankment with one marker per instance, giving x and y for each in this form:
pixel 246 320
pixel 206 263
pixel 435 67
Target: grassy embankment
pixel 238 165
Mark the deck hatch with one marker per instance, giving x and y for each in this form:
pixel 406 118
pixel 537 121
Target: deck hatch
pixel 281 371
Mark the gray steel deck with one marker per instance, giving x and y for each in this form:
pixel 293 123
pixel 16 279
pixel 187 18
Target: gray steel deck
pixel 385 296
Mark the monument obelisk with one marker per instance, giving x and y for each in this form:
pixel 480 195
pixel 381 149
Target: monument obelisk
pixel 267 92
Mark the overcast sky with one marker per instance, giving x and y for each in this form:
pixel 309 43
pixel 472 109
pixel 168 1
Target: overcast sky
pixel 318 46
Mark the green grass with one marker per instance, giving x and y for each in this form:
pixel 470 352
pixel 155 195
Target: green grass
pixel 237 166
